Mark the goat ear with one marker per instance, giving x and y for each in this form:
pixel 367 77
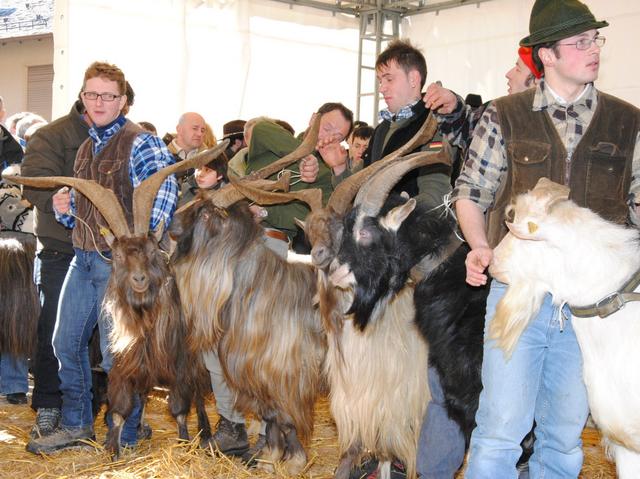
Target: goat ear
pixel 528 230
pixel 107 235
pixel 394 218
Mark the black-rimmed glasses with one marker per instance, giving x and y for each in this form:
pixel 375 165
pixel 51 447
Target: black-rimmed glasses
pixel 92 95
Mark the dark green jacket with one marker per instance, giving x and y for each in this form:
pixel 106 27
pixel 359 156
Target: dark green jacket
pixel 51 151
pixel 270 142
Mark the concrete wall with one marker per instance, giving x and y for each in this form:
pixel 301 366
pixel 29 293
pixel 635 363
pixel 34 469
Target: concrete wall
pixel 16 55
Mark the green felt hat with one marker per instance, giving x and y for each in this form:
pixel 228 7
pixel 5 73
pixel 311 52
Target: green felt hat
pixel 553 20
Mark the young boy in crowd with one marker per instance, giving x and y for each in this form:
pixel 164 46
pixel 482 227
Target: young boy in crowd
pixel 211 176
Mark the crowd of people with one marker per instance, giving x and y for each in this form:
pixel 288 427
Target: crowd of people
pixel 552 123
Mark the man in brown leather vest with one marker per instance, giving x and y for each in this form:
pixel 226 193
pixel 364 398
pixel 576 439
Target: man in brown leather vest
pixel 568 131
pixel 119 155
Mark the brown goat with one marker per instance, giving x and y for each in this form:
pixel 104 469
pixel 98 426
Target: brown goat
pixel 258 311
pixel 150 338
pixel 18 297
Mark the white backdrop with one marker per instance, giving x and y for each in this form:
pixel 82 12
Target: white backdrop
pixel 232 59
pixel 236 59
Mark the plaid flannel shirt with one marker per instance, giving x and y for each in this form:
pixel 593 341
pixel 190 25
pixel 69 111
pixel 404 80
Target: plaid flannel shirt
pixel 486 165
pixel 148 155
pixel 457 127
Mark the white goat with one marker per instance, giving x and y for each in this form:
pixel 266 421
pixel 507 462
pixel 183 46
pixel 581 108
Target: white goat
pixel 557 247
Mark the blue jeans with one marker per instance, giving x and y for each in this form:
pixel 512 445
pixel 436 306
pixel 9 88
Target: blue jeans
pixel 79 310
pixel 542 381
pixel 441 446
pixel 13 374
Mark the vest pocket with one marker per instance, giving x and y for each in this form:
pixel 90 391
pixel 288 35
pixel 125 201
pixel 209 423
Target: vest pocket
pixel 529 163
pixel 109 167
pixel 606 180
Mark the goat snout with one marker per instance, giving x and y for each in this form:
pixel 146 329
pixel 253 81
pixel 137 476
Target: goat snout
pixel 320 255
pixel 139 282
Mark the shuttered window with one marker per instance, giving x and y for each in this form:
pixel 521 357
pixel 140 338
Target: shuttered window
pixel 39 86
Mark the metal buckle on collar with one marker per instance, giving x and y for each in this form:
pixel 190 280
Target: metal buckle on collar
pixel 610 304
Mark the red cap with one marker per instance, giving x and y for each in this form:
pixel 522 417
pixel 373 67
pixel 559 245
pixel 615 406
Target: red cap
pixel 526 54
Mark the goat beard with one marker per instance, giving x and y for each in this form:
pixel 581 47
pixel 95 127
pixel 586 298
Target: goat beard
pixel 368 293
pixel 515 310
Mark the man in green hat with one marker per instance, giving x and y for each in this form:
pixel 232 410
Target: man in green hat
pixel 566 130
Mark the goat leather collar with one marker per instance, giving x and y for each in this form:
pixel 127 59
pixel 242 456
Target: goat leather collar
pixel 611 303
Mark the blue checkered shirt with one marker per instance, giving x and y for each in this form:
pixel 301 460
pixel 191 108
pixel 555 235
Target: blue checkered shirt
pixel 148 155
pixel 404 113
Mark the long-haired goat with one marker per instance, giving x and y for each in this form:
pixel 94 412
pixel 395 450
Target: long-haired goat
pixel 150 338
pixel 557 247
pixel 257 310
pixel 409 241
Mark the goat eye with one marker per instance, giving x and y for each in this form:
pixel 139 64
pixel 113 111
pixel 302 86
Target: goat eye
pixel 532 227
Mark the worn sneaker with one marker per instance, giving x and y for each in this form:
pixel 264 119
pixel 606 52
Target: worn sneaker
pixel 47 419
pixel 249 457
pixel 230 438
pixel 17 398
pixel 62 438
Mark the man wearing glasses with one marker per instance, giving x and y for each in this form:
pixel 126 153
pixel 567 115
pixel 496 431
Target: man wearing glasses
pixel 119 155
pixel 566 130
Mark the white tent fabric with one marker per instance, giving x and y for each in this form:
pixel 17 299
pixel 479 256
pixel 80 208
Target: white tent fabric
pixel 232 59
pixel 225 60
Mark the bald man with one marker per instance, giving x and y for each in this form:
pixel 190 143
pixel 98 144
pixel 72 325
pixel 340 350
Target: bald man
pixel 189 135
pixel 188 141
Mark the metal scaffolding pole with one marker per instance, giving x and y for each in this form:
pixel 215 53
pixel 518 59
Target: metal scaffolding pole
pixel 379 26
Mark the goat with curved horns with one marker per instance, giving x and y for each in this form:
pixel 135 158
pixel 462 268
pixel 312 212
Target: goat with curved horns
pixel 150 336
pixel 554 246
pixel 258 312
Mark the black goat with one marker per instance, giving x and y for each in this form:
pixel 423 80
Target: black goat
pixel 387 241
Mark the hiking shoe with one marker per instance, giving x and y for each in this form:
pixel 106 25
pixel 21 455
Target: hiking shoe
pixel 230 438
pixel 62 438
pixel 249 457
pixel 47 419
pixel 17 398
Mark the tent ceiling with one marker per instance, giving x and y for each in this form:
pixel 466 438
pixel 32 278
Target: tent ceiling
pixel 402 7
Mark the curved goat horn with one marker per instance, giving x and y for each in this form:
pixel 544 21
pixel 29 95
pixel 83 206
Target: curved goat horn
pixel 307 146
pixel 103 198
pixel 344 193
pixel 312 196
pixel 373 194
pixel 228 194
pixel 145 193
